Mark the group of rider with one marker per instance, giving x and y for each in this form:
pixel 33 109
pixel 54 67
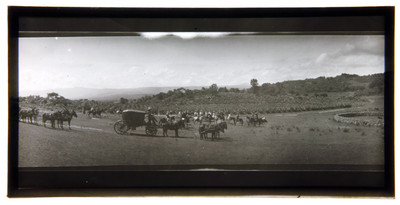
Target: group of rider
pixel 151 119
pixel 170 118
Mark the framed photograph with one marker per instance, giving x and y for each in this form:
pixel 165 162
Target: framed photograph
pixel 224 101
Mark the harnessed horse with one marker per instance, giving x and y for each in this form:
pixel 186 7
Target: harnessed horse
pixel 171 125
pixel 52 117
pixel 66 116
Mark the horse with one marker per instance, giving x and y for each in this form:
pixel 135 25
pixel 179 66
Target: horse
pixel 251 121
pixel 95 111
pixel 23 115
pixel 230 119
pixel 255 121
pixel 86 107
pixel 214 129
pixel 67 116
pixel 171 125
pixel 221 127
pixel 208 118
pixel 262 120
pixel 240 120
pixel 197 119
pixel 32 115
pixel 52 117
pixel 186 120
pixel 29 116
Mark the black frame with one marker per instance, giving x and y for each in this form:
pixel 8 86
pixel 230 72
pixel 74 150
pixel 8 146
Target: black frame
pixel 180 180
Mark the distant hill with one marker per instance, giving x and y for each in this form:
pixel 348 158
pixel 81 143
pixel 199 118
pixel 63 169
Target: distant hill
pixel 110 94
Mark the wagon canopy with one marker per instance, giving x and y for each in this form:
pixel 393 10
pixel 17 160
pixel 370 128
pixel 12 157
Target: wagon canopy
pixel 133 117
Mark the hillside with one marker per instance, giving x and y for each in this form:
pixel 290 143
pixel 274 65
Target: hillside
pixel 289 96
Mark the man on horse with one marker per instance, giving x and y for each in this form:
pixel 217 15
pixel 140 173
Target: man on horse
pixel 237 118
pixel 150 117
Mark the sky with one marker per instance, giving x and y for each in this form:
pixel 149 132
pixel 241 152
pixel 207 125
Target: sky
pixel 192 59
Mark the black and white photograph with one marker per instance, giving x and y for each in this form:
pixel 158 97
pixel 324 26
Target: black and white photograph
pixel 201 98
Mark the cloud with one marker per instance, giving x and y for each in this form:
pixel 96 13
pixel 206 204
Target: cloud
pixel 358 53
pixel 321 58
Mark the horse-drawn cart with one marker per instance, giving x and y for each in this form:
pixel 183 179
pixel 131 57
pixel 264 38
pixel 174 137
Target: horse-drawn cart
pixel 131 119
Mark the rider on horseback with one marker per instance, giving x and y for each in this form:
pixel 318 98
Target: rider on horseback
pixel 150 117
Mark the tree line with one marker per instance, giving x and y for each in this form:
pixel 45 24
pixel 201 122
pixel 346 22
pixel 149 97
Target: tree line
pixel 287 96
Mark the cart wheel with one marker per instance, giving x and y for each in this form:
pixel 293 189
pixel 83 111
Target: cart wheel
pixel 120 128
pixel 151 130
pixel 154 131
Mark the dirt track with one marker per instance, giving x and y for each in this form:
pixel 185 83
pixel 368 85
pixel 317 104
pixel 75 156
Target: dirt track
pixel 293 138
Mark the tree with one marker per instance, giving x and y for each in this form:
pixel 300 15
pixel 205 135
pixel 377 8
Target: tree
pixel 234 90
pixel 254 86
pixel 55 99
pixel 123 100
pixel 52 96
pixel 213 89
pixel 223 89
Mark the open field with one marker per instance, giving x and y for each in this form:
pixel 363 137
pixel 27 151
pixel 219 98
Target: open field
pixel 289 138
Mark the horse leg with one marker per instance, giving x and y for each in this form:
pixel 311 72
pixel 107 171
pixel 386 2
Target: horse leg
pixel 69 124
pixel 165 132
pixel 59 124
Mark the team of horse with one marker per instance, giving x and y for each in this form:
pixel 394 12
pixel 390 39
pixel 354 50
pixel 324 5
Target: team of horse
pixel 172 124
pixel 29 116
pixel 55 118
pixel 59 117
pixel 214 129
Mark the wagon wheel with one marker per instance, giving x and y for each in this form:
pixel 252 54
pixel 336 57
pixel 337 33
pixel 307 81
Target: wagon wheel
pixel 120 127
pixel 151 130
